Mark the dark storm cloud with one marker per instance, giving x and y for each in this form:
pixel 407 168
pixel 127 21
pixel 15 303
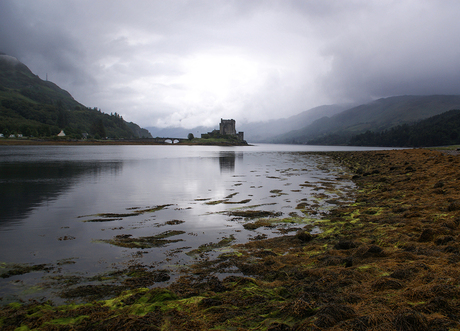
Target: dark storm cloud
pixel 406 48
pixel 187 63
pixel 37 40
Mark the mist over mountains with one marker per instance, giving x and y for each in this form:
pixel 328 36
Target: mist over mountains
pixel 335 124
pixel 257 131
pixel 379 115
pixel 35 107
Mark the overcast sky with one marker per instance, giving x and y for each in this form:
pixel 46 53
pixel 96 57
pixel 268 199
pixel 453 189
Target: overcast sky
pixel 189 63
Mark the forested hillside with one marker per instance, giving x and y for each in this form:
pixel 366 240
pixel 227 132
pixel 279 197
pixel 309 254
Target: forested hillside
pixel 438 130
pixel 33 107
pixel 376 116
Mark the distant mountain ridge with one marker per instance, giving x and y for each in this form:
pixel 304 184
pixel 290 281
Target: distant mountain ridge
pixel 438 130
pixel 264 131
pixel 257 131
pixel 378 115
pixel 336 124
pixel 34 107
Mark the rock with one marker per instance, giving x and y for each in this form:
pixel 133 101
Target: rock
pixel 304 236
pixel 426 235
pixel 345 244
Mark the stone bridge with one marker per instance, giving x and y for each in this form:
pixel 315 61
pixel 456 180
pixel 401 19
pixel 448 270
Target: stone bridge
pixel 169 140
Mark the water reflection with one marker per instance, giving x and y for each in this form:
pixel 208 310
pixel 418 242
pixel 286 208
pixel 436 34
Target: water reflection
pixel 56 196
pixel 24 186
pixel 227 161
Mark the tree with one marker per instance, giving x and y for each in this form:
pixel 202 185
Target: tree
pixel 190 136
pixel 97 128
pixel 62 116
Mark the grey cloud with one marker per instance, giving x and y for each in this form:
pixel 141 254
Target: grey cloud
pixel 137 58
pixel 396 52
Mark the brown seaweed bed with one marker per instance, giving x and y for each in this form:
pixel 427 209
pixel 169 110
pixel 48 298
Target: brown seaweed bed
pixel 390 261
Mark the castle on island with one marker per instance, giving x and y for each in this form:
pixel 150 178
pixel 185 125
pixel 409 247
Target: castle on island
pixel 226 128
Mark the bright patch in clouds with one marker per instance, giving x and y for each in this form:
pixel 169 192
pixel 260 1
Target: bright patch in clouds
pixel 189 63
pixel 218 75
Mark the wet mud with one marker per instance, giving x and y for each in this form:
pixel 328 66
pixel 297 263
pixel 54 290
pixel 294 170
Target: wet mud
pixel 388 261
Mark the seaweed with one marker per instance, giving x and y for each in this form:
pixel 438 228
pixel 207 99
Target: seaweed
pixel 15 269
pixel 109 217
pixel 211 246
pixel 372 267
pixel 251 214
pixel 159 240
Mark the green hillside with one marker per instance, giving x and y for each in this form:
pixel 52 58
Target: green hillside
pixel 378 115
pixel 33 107
pixel 438 130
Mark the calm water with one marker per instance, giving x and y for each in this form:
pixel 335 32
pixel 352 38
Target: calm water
pixel 48 195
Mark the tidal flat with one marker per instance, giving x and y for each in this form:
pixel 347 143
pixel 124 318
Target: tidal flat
pixel 185 214
pixel 388 260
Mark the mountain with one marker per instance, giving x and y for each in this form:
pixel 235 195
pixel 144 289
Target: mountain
pixel 264 131
pixel 439 130
pixel 257 131
pixel 378 115
pixel 34 107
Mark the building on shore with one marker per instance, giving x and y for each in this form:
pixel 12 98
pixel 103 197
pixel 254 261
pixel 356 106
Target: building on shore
pixel 226 128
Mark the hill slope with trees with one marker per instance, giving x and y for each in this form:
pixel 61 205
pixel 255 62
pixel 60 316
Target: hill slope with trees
pixel 33 107
pixel 438 130
pixel 378 115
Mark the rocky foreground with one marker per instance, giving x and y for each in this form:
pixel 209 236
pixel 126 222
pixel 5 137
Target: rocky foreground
pixel 391 261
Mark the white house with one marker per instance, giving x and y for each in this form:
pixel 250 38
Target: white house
pixel 61 134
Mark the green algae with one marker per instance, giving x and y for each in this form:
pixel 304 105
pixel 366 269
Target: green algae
pixel 302 286
pixel 257 224
pixel 226 241
pixel 215 202
pixel 174 222
pixel 244 201
pixel 278 192
pixel 272 222
pixel 158 240
pixel 67 320
pixel 14 269
pixel 225 201
pixel 251 214
pixel 94 220
pixel 108 217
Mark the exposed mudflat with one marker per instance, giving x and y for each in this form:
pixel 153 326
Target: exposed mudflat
pixel 390 261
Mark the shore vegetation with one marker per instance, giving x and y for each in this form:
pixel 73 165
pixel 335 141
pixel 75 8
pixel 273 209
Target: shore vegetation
pixel 388 261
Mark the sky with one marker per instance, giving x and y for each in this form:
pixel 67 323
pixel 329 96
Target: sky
pixel 192 62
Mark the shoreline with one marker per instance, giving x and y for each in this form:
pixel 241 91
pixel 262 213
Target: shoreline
pixel 390 261
pixel 147 141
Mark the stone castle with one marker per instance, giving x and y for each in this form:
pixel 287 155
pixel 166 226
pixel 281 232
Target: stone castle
pixel 226 128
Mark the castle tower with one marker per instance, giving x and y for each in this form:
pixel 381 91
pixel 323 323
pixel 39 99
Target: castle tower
pixel 227 127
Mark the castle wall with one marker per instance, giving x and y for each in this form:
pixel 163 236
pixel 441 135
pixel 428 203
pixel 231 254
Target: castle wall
pixel 227 127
